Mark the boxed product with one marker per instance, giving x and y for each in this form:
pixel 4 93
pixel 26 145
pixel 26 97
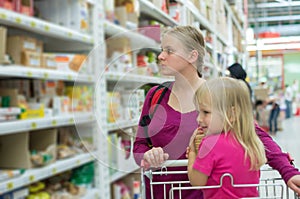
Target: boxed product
pixel 17 44
pixel 31 58
pixel 48 61
pixel 3 32
pixel 15 148
pixel 8 4
pixel 25 7
pixel 67 62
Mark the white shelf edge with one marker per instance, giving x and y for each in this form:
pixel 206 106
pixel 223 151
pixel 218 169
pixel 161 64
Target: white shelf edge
pixel 120 174
pixel 42 27
pixel 148 8
pixel 42 73
pixel 127 77
pixel 42 123
pixel 122 124
pixel 36 174
pixel 138 40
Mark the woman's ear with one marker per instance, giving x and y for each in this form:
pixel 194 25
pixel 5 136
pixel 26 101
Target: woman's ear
pixel 193 56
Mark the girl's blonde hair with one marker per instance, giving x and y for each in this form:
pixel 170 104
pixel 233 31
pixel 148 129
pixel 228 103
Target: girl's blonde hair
pixel 231 99
pixel 192 39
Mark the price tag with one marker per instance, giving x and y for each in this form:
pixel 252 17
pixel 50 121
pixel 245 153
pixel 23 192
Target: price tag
pixel 46 75
pixel 31 178
pixel 69 77
pixel 90 78
pixel 54 122
pixel 33 24
pixel 54 170
pixel 71 121
pixel 3 16
pixel 29 74
pixel 33 125
pixel 10 186
pixel 47 28
pixel 18 20
pixel 78 162
pixel 70 34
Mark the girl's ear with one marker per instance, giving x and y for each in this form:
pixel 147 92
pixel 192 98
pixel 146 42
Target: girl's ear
pixel 193 56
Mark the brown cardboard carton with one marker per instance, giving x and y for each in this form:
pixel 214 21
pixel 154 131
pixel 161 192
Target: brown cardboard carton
pixel 14 151
pixel 30 58
pixel 15 148
pixel 3 32
pixel 120 44
pixel 121 15
pixel 12 93
pixel 17 44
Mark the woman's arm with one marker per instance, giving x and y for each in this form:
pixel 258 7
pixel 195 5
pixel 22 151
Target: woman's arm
pixel 276 158
pixel 140 145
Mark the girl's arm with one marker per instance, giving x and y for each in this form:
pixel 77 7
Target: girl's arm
pixel 196 178
pixel 276 158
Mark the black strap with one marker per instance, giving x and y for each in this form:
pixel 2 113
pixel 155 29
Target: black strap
pixel 146 119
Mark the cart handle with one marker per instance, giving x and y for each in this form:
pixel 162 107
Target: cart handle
pixel 175 163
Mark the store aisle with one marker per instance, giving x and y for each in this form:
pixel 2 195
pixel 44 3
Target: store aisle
pixel 289 138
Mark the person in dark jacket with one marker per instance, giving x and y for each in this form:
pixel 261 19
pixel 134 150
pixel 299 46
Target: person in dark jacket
pixel 237 72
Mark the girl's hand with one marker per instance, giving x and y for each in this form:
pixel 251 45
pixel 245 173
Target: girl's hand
pixel 155 157
pixel 196 138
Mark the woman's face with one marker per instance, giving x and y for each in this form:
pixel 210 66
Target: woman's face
pixel 173 58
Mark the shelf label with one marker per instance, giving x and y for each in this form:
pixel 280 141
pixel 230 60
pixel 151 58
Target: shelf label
pixel 29 74
pixel 54 170
pixel 70 34
pixel 33 125
pixel 18 20
pixel 46 75
pixel 69 77
pixel 71 121
pixel 54 122
pixel 3 16
pixel 10 186
pixel 78 162
pixel 31 178
pixel 33 24
pixel 47 28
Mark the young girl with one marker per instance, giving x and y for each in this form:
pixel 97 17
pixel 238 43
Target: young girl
pixel 230 145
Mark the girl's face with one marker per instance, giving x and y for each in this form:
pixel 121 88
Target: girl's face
pixel 173 58
pixel 210 120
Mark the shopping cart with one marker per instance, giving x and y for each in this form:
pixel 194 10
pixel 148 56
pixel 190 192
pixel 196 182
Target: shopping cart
pixel 271 185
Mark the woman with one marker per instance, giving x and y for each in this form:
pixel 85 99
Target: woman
pixel 182 56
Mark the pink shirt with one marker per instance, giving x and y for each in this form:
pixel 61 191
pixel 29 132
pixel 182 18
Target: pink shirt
pixel 219 154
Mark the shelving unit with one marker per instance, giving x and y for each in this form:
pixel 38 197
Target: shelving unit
pixel 68 39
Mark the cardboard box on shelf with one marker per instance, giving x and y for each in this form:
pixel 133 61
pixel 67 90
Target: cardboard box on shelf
pixel 30 58
pixel 15 148
pixel 25 7
pixel 121 15
pixel 119 44
pixel 3 33
pixel 67 62
pixel 17 44
pixel 12 94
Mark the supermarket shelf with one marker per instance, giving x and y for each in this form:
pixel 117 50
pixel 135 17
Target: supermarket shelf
pixel 127 77
pixel 137 40
pixel 41 27
pixel 120 174
pixel 36 174
pixel 234 19
pixel 122 124
pixel 151 10
pixel 202 20
pixel 41 73
pixel 91 194
pixel 41 123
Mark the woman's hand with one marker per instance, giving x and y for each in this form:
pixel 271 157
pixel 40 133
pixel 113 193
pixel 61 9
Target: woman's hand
pixel 155 157
pixel 294 183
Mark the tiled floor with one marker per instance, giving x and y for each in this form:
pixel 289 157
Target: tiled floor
pixel 289 141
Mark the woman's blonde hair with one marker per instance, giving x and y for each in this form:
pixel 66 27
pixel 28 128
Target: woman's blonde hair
pixel 192 39
pixel 231 99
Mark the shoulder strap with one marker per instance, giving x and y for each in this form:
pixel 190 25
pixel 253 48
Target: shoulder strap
pixel 156 98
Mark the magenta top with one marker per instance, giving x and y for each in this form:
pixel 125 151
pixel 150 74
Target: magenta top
pixel 220 154
pixel 172 130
